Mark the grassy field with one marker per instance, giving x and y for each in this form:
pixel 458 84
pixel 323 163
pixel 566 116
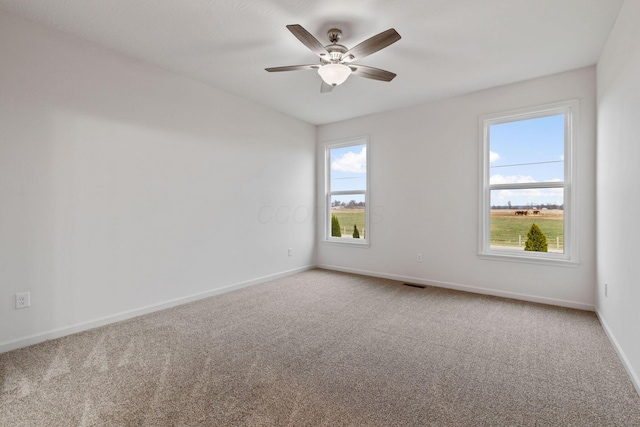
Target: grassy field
pixel 349 217
pixel 506 227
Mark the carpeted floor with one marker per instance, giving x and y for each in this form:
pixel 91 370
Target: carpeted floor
pixel 330 349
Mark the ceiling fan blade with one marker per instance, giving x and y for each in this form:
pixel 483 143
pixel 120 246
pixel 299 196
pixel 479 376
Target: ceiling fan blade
pixel 371 73
pixel 325 87
pixel 308 40
pixel 371 45
pixel 293 68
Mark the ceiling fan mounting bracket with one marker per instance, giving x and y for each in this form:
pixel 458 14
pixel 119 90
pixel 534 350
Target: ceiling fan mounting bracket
pixel 334 34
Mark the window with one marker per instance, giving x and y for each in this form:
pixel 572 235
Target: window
pixel 527 178
pixel 347 213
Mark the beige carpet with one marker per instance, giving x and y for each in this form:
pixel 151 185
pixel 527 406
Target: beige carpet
pixel 332 349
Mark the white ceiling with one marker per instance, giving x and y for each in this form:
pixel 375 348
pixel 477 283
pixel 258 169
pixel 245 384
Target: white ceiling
pixel 448 47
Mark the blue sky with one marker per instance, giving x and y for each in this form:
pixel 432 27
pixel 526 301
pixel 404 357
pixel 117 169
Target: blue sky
pixel 349 170
pixel 527 151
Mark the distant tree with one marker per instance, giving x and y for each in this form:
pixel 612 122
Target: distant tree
pixel 536 240
pixel 509 204
pixel 356 234
pixel 335 226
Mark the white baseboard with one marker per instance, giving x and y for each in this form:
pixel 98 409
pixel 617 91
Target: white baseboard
pixel 466 288
pixel 635 380
pixel 79 327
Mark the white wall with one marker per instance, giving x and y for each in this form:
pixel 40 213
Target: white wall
pixel 424 171
pixel 124 186
pixel 618 191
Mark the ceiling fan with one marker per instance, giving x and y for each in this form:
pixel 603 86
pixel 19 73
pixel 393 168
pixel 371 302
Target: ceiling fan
pixel 336 60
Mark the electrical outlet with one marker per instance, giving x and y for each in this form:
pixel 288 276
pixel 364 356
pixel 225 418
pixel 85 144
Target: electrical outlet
pixel 23 300
pixel 606 290
pixel 419 257
pixel 290 251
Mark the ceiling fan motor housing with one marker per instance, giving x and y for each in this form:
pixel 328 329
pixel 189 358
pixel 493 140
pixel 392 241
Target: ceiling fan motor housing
pixel 335 53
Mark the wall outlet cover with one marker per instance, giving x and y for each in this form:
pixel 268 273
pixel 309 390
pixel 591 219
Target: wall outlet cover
pixel 23 299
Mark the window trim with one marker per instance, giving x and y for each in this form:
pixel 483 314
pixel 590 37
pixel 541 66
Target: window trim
pixel 571 110
pixel 365 242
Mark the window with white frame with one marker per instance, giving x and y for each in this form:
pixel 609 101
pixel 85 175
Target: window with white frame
pixel 527 201
pixel 347 212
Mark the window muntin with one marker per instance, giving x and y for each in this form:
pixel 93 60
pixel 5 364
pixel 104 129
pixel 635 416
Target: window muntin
pixel 347 191
pixel 527 179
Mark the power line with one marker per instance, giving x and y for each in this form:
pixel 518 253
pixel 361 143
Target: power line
pixel 528 164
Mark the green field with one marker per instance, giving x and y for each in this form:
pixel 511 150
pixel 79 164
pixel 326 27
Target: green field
pixel 506 227
pixel 349 217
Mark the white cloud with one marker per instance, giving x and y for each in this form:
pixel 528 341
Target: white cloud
pixel 510 179
pixel 351 162
pixel 493 156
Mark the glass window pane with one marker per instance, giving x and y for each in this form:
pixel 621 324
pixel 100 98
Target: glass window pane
pixel 527 150
pixel 348 168
pixel 349 211
pixel 514 211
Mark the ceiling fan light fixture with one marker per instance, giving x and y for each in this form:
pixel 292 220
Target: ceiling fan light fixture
pixel 334 74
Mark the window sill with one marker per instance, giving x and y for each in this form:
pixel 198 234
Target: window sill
pixel 348 242
pixel 509 257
